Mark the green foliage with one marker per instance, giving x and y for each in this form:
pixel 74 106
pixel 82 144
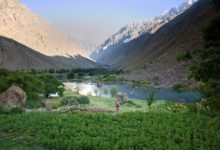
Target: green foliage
pixel 150 99
pixel 113 91
pixel 69 100
pixel 36 85
pixel 113 132
pixel 106 91
pixel 83 100
pixel 142 83
pixel 206 69
pixel 51 84
pixel 185 56
pixel 93 72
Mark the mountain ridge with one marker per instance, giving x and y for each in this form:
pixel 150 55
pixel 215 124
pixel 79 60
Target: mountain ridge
pixel 19 23
pixel 20 28
pixel 137 29
pixel 154 56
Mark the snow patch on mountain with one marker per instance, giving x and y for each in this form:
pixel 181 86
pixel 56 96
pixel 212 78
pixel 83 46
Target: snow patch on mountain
pixel 136 29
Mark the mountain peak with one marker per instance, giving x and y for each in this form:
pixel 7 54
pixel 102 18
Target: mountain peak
pixel 136 29
pixel 22 25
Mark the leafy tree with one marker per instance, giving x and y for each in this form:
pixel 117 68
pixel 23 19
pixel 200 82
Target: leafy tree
pixel 106 91
pixel 51 85
pixel 113 91
pixel 150 99
pixel 36 85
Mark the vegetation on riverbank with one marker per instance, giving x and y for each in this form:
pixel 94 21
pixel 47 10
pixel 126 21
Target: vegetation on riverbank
pixel 37 86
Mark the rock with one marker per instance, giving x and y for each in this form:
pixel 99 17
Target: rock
pixel 122 96
pixel 13 97
pixel 47 105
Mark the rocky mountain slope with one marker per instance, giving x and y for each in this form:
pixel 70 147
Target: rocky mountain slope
pixel 153 56
pixel 135 30
pixel 15 56
pixel 17 22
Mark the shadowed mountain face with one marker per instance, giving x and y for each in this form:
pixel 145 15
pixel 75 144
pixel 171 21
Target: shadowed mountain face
pixel 154 55
pixel 15 56
pixel 137 29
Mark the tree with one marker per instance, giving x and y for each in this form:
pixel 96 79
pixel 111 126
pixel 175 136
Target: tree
pixel 106 91
pixel 51 84
pixel 150 99
pixel 113 91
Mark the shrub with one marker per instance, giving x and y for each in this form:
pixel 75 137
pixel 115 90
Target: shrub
pixel 16 111
pixel 113 91
pixel 106 91
pixel 69 100
pixel 36 85
pixel 4 110
pixel 185 56
pixel 83 100
pixel 150 99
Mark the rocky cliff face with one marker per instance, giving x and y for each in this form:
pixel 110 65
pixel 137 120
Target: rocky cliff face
pixel 137 29
pixel 27 41
pixel 154 56
pixel 20 24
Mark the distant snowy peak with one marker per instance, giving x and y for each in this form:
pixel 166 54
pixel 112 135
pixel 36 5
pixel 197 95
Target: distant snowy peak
pixel 136 29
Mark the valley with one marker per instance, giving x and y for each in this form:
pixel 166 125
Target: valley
pixel 154 84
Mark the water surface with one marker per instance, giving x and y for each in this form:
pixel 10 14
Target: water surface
pixel 135 92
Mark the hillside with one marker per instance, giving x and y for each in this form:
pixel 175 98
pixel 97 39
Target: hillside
pixel 44 41
pixel 153 56
pixel 15 56
pixel 137 29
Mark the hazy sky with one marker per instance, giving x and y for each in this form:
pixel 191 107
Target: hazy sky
pixel 97 19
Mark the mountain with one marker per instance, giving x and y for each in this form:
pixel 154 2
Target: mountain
pixel 16 56
pixel 135 30
pixel 152 56
pixel 22 26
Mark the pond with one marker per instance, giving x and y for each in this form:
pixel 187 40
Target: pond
pixel 134 92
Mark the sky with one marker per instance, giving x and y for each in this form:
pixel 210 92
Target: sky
pixel 93 21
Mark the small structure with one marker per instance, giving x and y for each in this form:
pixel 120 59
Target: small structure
pixel 13 97
pixel 54 95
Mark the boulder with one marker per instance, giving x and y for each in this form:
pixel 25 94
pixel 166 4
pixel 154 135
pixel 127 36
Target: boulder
pixel 47 105
pixel 13 97
pixel 122 96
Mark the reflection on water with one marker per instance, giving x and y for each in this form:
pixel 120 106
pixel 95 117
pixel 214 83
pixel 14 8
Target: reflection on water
pixel 134 93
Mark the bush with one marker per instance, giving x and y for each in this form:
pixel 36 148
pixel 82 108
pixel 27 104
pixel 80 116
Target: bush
pixel 69 100
pixel 30 104
pixel 150 99
pixel 4 110
pixel 16 111
pixel 106 91
pixel 83 100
